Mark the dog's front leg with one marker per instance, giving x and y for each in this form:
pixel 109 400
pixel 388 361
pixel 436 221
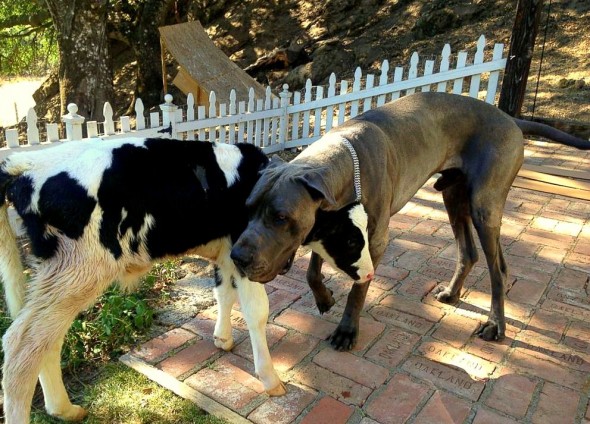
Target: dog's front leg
pixel 323 295
pixel 346 334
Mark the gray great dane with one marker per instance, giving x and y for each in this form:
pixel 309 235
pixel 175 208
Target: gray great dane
pixel 476 148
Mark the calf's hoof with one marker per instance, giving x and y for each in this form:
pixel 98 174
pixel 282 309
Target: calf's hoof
pixel 444 295
pixel 489 332
pixel 222 343
pixel 279 390
pixel 73 414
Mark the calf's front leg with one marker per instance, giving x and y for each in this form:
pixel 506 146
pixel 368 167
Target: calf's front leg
pixel 323 295
pixel 255 308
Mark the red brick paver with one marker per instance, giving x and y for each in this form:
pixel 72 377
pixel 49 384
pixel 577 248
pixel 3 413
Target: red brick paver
pixel 417 360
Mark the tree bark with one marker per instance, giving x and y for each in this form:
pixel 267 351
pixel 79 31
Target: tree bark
pixel 84 60
pixel 522 44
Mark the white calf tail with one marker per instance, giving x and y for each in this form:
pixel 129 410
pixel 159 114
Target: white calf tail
pixel 11 267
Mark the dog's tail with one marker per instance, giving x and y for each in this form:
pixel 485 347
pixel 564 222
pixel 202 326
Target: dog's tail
pixel 546 131
pixel 11 266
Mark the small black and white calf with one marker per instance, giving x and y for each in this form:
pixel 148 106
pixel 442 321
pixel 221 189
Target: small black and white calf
pixel 102 211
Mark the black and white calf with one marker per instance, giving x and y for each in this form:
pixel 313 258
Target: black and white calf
pixel 102 211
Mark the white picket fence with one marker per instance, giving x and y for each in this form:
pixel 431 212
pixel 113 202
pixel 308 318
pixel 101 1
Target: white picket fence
pixel 290 119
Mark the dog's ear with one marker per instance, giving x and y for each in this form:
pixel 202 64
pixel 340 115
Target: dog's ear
pixel 318 189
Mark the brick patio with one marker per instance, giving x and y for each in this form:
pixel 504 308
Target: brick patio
pixel 417 360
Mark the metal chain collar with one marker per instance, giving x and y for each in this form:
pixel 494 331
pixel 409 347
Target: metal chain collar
pixel 357 170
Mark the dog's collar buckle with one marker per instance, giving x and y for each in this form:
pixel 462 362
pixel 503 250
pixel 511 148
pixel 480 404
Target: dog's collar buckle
pixel 357 169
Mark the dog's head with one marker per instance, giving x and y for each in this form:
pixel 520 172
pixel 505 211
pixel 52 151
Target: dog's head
pixel 283 206
pixel 341 238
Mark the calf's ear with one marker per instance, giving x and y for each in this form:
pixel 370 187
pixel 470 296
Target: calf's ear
pixel 318 189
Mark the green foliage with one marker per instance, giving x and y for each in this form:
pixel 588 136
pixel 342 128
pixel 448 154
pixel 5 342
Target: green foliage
pixel 27 39
pixel 107 329
pixel 116 322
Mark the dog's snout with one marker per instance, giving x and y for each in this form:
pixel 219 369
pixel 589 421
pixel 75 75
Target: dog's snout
pixel 241 256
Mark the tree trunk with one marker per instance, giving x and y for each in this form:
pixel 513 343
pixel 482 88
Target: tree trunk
pixel 522 43
pixel 84 60
pixel 145 42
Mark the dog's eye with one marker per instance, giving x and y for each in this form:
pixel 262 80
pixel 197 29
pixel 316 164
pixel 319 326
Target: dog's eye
pixel 280 218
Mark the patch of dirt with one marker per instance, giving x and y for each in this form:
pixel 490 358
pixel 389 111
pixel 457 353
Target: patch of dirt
pixel 339 35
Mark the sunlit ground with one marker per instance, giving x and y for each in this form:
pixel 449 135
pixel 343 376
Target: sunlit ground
pixel 17 98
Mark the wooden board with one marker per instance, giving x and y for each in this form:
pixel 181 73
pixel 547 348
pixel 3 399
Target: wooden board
pixel 561 172
pixel 205 63
pixel 553 180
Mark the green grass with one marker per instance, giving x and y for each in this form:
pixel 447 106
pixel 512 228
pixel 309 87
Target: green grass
pixel 119 394
pixel 109 390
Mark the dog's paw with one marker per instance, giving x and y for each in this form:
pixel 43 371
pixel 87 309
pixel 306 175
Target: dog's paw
pixel 343 338
pixel 489 332
pixel 444 295
pixel 326 302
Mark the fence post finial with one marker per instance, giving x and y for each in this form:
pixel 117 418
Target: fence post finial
pixel 73 123
pixel 169 114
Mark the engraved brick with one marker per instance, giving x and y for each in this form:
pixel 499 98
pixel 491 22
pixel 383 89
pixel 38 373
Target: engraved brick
pixel 445 354
pixel 445 377
pixel 547 370
pixel 401 319
pixel 393 347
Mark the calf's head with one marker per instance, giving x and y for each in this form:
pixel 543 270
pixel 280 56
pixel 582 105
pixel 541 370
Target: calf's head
pixel 341 238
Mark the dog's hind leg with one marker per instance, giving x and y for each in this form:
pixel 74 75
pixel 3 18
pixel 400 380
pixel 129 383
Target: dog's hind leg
pixel 226 295
pixel 323 295
pixel 488 196
pixel 487 222
pixel 254 306
pixel 457 204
